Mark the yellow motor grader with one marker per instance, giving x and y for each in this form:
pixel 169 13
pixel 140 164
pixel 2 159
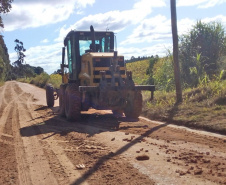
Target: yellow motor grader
pixel 96 77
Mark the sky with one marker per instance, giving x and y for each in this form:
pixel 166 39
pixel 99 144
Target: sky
pixel 142 27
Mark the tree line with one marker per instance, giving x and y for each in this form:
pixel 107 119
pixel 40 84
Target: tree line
pixel 134 59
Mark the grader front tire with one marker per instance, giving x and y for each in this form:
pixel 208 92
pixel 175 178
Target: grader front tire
pixel 49 95
pixel 62 99
pixel 72 102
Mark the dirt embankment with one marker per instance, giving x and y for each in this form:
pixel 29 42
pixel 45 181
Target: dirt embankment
pixel 40 147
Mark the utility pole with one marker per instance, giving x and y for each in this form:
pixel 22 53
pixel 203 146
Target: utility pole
pixel 175 51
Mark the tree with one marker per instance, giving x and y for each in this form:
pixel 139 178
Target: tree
pixel 4 60
pixel 163 73
pixel 19 49
pixel 38 70
pixel 21 70
pixel 152 61
pixel 5 7
pixel 201 50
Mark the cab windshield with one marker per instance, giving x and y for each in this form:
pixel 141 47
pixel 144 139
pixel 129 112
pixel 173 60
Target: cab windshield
pixel 102 44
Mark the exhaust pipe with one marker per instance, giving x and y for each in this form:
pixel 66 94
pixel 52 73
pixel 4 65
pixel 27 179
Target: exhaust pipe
pixel 93 38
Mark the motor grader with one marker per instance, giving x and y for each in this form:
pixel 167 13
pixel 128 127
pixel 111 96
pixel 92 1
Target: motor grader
pixel 95 76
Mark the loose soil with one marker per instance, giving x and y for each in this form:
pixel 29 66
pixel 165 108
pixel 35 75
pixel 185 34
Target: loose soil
pixel 40 147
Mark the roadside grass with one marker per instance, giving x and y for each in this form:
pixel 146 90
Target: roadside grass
pixel 43 79
pixel 24 80
pixel 2 83
pixel 203 107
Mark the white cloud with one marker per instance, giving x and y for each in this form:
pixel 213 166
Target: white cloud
pixel 83 3
pixel 114 20
pixel 157 28
pixel 158 49
pixel 26 14
pixel 185 25
pixel 45 41
pixel 218 18
pixel 200 3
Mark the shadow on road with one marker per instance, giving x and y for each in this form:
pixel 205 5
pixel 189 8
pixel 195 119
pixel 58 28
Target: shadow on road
pixel 118 152
pixel 90 124
pixel 59 125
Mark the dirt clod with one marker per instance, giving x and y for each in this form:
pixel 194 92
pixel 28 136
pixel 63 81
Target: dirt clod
pixel 198 172
pixel 142 157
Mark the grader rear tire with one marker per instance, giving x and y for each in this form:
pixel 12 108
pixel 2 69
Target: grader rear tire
pixel 49 95
pixel 134 107
pixel 62 99
pixel 72 102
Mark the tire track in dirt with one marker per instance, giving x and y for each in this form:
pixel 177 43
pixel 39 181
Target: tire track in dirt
pixel 3 109
pixel 68 169
pixel 40 172
pixel 8 96
pixel 22 165
pixel 63 162
pixel 9 93
pixel 4 116
pixel 32 165
pixel 2 92
pixel 9 132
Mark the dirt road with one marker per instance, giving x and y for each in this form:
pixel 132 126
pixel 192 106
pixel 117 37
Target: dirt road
pixel 37 146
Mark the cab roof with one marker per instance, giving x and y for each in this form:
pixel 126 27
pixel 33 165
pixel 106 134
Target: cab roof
pixel 84 35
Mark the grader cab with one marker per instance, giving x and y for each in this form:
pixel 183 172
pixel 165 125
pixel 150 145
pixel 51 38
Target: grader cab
pixel 96 77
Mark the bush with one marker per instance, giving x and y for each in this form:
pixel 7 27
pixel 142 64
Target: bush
pixel 40 80
pixel 163 74
pixel 55 80
pixel 139 71
pixel 201 52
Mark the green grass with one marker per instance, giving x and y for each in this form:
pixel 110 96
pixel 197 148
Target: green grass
pixel 24 80
pixel 203 107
